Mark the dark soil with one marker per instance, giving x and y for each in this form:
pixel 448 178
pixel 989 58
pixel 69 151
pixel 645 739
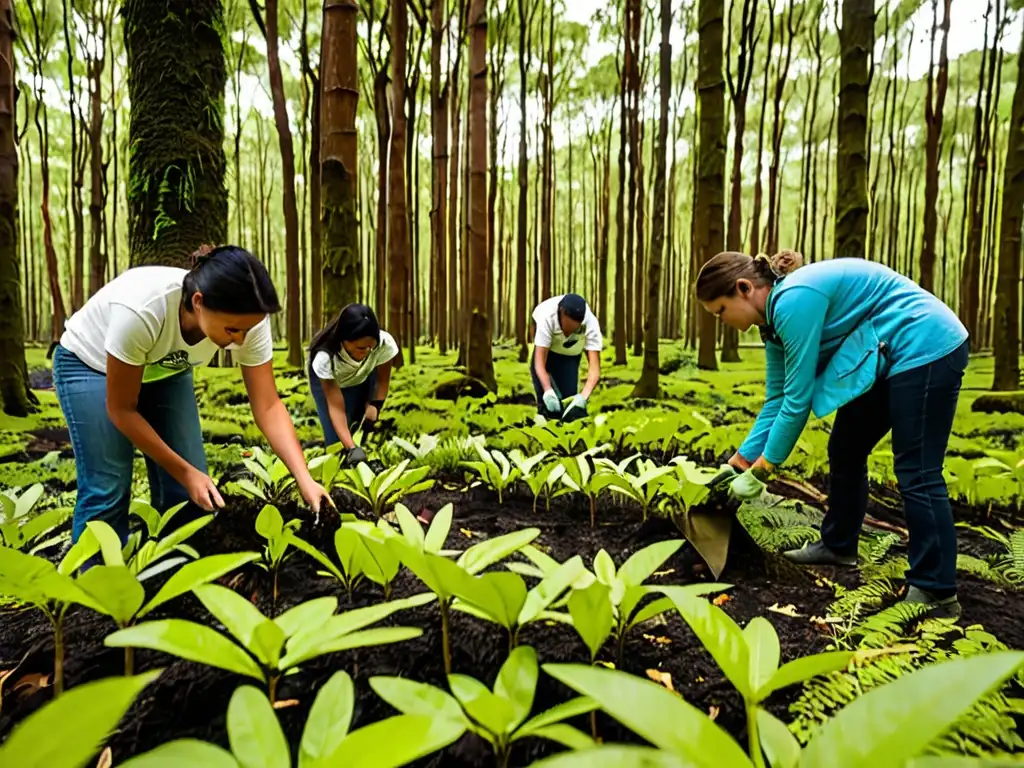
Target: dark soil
pixel 190 700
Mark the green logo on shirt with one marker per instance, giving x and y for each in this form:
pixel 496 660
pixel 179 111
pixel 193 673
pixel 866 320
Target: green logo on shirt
pixel 175 361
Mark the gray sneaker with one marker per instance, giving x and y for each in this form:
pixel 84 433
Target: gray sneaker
pixel 816 553
pixel 946 608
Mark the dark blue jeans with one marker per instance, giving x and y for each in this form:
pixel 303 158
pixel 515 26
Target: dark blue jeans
pixel 104 456
pixel 918 406
pixel 564 371
pixel 356 399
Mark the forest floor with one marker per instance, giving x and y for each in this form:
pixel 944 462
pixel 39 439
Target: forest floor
pixel 811 609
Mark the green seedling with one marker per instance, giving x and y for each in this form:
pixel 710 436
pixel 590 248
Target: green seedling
pixel 449 580
pixel 351 557
pixel 150 555
pixel 267 649
pixel 84 718
pixel 494 470
pixel 326 468
pixel 498 715
pixel 432 540
pixel 502 597
pixel 891 725
pixel 382 490
pixel 271 481
pixel 20 525
pixel 685 493
pixel 381 563
pixel 643 487
pixel 279 535
pixel 584 475
pixel 257 739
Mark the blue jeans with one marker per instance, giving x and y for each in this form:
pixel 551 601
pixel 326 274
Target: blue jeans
pixel 918 406
pixel 564 371
pixel 104 456
pixel 356 399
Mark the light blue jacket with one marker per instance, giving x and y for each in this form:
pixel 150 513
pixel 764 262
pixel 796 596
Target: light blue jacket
pixel 834 327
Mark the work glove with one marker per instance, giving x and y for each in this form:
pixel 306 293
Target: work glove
pixel 726 472
pixel 746 487
pixel 578 403
pixel 355 455
pixel 551 401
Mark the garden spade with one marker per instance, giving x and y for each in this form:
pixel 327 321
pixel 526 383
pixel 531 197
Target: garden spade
pixel 708 526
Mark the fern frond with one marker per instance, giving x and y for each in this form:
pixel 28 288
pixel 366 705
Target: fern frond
pixel 896 568
pixel 1016 549
pixel 873 548
pixel 868 597
pixel 887 627
pixel 979 568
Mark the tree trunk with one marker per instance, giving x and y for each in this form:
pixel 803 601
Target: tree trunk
pixel 95 65
pixel 318 317
pixel 398 237
pixel 525 25
pixel 619 335
pixel 755 216
pixel 76 170
pixel 856 41
pixel 439 213
pixel 339 147
pixel 933 121
pixel 15 396
pixel 634 228
pixel 710 202
pixel 647 386
pixel 177 199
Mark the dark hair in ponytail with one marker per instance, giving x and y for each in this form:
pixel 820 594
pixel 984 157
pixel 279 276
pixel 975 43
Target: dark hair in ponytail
pixel 356 321
pixel 231 280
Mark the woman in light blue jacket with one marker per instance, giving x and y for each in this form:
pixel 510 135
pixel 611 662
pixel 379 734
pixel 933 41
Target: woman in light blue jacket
pixel 855 337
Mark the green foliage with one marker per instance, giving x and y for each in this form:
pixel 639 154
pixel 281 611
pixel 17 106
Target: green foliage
pixel 279 534
pixel 270 479
pixel 387 487
pixel 21 524
pixel 494 470
pixel 146 550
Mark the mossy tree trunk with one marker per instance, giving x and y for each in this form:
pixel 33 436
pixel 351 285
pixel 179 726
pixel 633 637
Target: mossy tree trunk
pixel 647 386
pixel 177 72
pixel 933 120
pixel 480 365
pixel 1007 315
pixel 15 395
pixel 398 237
pixel 709 207
pixel 856 40
pixel 339 172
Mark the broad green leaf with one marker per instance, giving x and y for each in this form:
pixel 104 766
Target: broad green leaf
pixel 304 546
pixel 517 682
pixel 80 551
pixel 267 643
pixel 148 514
pixel 28 499
pixel 719 634
pixel 578 706
pixel 781 746
pixel 904 716
pixel 502 594
pixel 238 615
pixel 329 719
pixel 196 573
pixel 312 648
pixel 183 752
pixel 495 714
pixel 804 668
pixel 83 717
pixel 440 525
pixel 487 553
pixel 412 698
pixel 656 714
pixel 411 528
pixel 249 487
pixel 110 542
pixel 351 550
pixel 648 612
pixel 604 568
pixel 394 742
pixel 256 738
pixel 563 734
pixel 550 589
pixel 616 756
pixel 591 612
pixel 187 640
pixel 179 536
pixel 169 515
pixel 115 589
pixel 640 565
pixel 763 648
pixel 308 614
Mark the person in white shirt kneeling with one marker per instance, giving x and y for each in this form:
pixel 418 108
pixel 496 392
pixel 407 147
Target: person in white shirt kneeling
pixel 565 328
pixel 123 375
pixel 349 374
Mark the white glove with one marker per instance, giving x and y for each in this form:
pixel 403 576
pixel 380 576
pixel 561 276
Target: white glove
pixel 551 401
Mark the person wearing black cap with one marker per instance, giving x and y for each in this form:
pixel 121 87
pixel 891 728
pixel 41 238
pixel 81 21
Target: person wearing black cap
pixel 565 328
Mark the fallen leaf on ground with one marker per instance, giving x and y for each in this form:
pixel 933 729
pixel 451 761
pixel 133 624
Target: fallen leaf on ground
pixel 30 683
pixel 721 600
pixel 658 639
pixel 285 703
pixel 106 759
pixel 664 678
pixel 466 532
pixel 787 610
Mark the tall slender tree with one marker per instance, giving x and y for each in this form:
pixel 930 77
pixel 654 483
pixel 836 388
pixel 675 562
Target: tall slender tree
pixel 709 208
pixel 856 41
pixel 339 146
pixel 398 237
pixel 439 85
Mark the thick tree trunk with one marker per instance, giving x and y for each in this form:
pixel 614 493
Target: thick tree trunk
pixel 856 40
pixel 398 237
pixel 439 212
pixel 710 203
pixel 339 147
pixel 647 386
pixel 933 121
pixel 479 362
pixel 15 396
pixel 177 199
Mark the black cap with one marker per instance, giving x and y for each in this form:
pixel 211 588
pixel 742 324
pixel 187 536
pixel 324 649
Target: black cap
pixel 574 306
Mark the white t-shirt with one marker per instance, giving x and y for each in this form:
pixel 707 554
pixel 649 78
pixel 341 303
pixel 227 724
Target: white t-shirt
pixel 134 317
pixel 549 330
pixel 345 371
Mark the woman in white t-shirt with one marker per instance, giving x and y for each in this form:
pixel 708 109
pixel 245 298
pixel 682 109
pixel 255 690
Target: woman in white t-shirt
pixel 123 375
pixel 349 373
pixel 565 328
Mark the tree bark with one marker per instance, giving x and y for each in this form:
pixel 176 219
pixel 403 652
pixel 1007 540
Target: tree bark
pixel 95 66
pixel 525 56
pixel 398 237
pixel 710 203
pixel 755 216
pixel 339 147
pixel 856 40
pixel 439 213
pixel 933 121
pixel 647 386
pixel 177 72
pixel 621 319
